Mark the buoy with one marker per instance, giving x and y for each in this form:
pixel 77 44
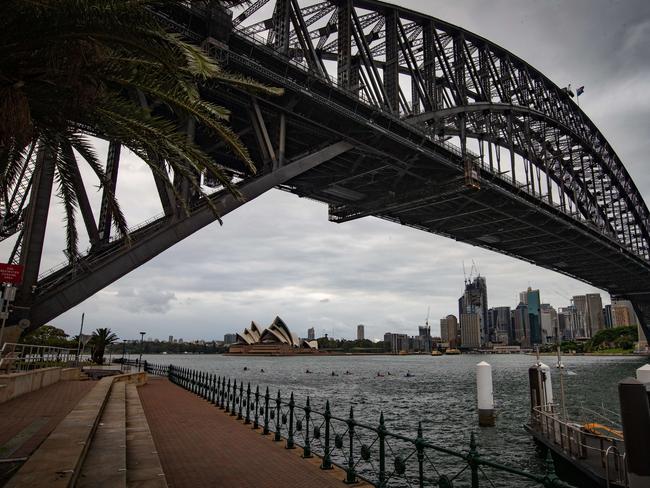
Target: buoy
pixel 485 395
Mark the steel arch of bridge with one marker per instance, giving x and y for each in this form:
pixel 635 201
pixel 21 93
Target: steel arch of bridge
pixel 411 119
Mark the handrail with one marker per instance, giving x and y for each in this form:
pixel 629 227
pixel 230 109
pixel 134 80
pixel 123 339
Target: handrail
pixel 363 451
pixel 23 357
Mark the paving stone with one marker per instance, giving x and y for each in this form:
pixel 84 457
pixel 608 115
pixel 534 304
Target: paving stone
pixel 201 446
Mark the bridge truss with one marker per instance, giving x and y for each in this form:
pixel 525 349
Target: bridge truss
pixel 389 113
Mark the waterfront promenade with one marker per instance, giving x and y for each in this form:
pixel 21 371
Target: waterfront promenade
pixel 200 445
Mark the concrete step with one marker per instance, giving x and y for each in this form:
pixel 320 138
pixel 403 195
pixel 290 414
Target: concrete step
pixel 142 461
pixel 105 462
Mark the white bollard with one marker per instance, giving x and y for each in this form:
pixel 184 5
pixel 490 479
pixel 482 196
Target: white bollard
pixel 485 395
pixel 643 374
pixel 548 386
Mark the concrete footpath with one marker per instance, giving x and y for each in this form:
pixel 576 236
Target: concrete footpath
pixel 27 420
pixel 201 446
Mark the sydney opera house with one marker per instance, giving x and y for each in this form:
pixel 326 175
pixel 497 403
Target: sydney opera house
pixel 275 340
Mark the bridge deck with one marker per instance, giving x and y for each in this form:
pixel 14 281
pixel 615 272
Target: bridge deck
pixel 200 445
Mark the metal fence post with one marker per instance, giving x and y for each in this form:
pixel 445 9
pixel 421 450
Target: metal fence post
pixel 419 445
pixel 248 404
pixel 223 392
pixel 241 397
pixel 257 407
pixel 351 476
pixel 233 408
pixel 228 397
pixel 266 412
pixel 277 435
pixel 327 460
pixel 290 444
pixel 381 433
pixel 306 450
pixel 472 457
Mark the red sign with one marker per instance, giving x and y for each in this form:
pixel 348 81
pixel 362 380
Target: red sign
pixel 11 273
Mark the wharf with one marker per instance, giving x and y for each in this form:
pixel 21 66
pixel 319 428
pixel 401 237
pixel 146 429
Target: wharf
pixel 200 445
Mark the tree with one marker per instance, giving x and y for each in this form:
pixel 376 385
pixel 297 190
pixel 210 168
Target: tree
pixel 70 69
pixel 101 338
pixel 48 335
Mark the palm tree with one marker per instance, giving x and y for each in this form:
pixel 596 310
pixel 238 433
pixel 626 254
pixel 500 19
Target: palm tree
pixel 71 69
pixel 101 338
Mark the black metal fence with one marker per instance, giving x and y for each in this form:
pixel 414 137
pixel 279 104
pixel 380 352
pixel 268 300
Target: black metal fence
pixel 371 452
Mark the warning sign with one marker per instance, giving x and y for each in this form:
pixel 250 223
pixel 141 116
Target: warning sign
pixel 11 273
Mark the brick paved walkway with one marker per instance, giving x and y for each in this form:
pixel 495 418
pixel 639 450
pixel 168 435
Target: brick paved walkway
pixel 201 446
pixel 27 420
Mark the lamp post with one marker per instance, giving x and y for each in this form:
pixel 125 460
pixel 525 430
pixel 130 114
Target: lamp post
pixel 141 347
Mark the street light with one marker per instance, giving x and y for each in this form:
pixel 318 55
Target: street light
pixel 141 347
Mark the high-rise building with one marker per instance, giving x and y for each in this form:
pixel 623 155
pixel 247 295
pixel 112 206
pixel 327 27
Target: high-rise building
pixel 360 332
pixel 474 301
pixel 521 325
pixel 590 309
pixel 623 314
pixel 607 314
pixel 171 339
pixel 533 303
pixel 499 323
pixel 470 330
pixel 227 339
pixel 523 297
pixel 568 322
pixel 311 334
pixel 548 323
pixel 398 342
pixel 449 331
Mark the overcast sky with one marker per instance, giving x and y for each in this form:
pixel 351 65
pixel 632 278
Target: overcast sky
pixel 279 255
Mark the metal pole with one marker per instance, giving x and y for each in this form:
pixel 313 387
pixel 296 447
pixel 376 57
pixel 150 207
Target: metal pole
pixel 81 329
pixel 141 347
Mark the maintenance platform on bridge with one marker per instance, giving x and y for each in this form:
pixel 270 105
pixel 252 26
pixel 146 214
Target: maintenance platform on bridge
pixel 200 445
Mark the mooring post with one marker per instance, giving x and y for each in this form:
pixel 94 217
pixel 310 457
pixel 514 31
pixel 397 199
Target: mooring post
pixel 635 416
pixel 473 460
pixel 485 395
pixel 419 445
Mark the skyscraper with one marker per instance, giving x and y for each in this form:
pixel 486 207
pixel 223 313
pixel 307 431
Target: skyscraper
pixel 521 324
pixel 311 334
pixel 590 310
pixel 470 331
pixel 534 316
pixel 474 301
pixel 499 322
pixel 548 323
pixel 360 332
pixel 623 314
pixel 449 330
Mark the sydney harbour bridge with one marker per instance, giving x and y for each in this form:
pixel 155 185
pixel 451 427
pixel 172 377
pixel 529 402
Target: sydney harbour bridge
pixel 388 113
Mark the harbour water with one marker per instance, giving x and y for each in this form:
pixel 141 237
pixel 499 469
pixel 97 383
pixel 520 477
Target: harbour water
pixel 440 393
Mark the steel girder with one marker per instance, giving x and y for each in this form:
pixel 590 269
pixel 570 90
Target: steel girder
pixel 455 72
